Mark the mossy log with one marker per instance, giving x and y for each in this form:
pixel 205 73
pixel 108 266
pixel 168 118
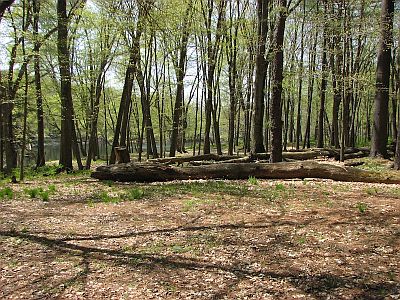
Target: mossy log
pixel 152 172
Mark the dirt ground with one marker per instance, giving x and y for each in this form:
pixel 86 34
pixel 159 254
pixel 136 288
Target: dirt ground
pixel 77 238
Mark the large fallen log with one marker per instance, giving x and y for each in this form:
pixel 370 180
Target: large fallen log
pixel 145 172
pixel 184 159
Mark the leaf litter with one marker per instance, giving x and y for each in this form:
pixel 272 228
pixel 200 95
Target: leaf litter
pixel 310 239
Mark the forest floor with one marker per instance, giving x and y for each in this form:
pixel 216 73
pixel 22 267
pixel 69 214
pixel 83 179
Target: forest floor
pixel 72 237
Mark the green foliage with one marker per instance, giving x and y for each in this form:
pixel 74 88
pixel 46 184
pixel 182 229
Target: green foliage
pixel 189 204
pixel 372 191
pixel 135 194
pixel 52 188
pixel 374 164
pixel 362 207
pixel 6 192
pixel 252 180
pixel 47 170
pixel 279 192
pixel 199 188
pixel 39 192
pixel 106 198
pixel 34 192
pixel 280 187
pixel 45 196
pixel 302 240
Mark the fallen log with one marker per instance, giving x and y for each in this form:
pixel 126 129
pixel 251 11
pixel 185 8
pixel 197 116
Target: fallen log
pixel 359 154
pixel 185 159
pixel 142 172
pixel 289 155
pixel 354 164
pixel 206 159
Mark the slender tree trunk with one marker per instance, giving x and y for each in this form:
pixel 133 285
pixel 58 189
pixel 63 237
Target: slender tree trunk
pixel 25 110
pixel 95 116
pixel 180 75
pixel 213 48
pixel 324 82
pixel 301 71
pixel 125 98
pixel 40 159
pixel 310 92
pixel 231 51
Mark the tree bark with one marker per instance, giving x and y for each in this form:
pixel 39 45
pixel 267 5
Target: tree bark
pixel 381 113
pixel 180 74
pixel 277 78
pixel 125 99
pixel 40 159
pixel 324 82
pixel 142 172
pixel 257 137
pixel 213 48
pixel 66 93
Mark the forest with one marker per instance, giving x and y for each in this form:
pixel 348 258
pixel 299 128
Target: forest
pixel 199 149
pixel 163 77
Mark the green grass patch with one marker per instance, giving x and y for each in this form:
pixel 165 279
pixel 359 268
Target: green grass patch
pixel 372 191
pixel 34 192
pixel 6 192
pixel 374 164
pixel 39 192
pixel 135 194
pixel 277 192
pixel 198 189
pixel 106 198
pixel 189 205
pixel 252 180
pixel 180 248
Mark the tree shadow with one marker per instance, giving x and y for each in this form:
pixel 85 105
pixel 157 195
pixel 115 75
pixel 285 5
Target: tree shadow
pixel 313 285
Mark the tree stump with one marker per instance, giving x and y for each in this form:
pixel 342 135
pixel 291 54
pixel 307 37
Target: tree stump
pixel 122 155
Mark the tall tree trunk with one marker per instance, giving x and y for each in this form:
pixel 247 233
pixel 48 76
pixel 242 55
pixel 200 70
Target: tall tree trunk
pixel 231 51
pixel 180 74
pixel 95 115
pixel 257 136
pixel 301 71
pixel 25 107
pixel 3 101
pixel 324 81
pixel 277 78
pixel 40 159
pixel 66 93
pixel 213 48
pixel 310 91
pixel 123 106
pixel 381 113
